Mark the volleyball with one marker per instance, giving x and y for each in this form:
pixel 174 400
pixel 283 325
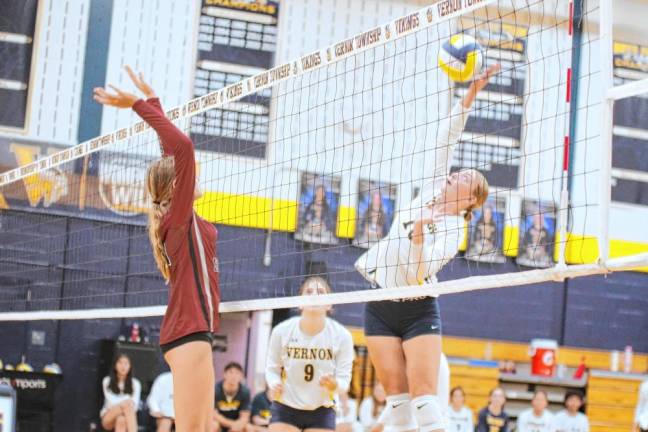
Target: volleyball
pixel 461 57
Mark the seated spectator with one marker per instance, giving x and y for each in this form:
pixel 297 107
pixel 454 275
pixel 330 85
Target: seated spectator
pixel 346 414
pixel 232 410
pixel 121 397
pixel 372 406
pixel 571 419
pixel 641 412
pixel 160 402
pixel 260 412
pixel 460 417
pixel 493 418
pixel 537 418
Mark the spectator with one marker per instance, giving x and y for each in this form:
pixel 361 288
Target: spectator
pixel 160 402
pixel 570 419
pixel 641 413
pixel 121 397
pixel 260 412
pixel 372 406
pixel 537 418
pixel 346 414
pixel 232 412
pixel 493 418
pixel 460 417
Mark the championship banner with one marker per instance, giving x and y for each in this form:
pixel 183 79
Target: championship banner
pixel 630 139
pixel 491 139
pixel 17 31
pixel 236 39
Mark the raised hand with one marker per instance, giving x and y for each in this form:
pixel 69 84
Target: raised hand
pixel 479 82
pixel 118 99
pixel 138 80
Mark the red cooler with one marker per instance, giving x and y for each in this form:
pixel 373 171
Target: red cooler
pixel 543 356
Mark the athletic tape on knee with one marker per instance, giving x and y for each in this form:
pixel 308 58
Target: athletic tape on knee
pixel 428 413
pixel 397 415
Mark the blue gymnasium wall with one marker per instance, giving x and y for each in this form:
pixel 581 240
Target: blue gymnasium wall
pixel 599 312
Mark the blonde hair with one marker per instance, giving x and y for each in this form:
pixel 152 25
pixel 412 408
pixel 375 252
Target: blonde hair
pixel 159 186
pixel 480 192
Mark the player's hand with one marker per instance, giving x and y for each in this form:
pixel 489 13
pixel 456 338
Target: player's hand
pixel 329 382
pixel 118 99
pixel 417 229
pixel 138 80
pixel 276 391
pixel 481 80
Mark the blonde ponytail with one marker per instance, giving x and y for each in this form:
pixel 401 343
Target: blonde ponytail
pixel 159 185
pixel 480 192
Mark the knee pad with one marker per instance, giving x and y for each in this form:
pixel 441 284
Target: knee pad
pixel 397 415
pixel 428 413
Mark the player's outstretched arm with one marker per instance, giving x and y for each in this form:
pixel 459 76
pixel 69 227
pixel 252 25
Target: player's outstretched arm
pixel 451 127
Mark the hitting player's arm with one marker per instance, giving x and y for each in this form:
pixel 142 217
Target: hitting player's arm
pixel 451 128
pixel 344 362
pixel 432 253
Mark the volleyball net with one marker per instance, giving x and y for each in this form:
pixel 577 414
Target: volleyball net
pixel 304 167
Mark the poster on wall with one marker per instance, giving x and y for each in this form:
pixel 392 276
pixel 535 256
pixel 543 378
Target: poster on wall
pixel 376 204
pixel 630 132
pixel 486 232
pixel 17 33
pixel 537 234
pixel 319 199
pixel 491 139
pixel 236 39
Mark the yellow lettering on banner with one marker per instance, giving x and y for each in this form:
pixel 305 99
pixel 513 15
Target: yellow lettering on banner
pixel 344 47
pixel 234 91
pixel 258 7
pixel 262 80
pixel 407 23
pixel 280 72
pixel 447 7
pixel 310 61
pixel 37 186
pixel 368 38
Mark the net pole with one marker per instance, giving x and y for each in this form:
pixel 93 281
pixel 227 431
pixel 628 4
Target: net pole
pixel 563 213
pixel 606 26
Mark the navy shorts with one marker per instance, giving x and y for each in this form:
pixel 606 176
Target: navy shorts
pixel 320 418
pixel 404 319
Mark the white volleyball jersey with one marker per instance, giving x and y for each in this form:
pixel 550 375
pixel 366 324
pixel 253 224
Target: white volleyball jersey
pixel 641 412
pixel 528 422
pixel 564 422
pixel 461 421
pixel 299 361
pixel 395 261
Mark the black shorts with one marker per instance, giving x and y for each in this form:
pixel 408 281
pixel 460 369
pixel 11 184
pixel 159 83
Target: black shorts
pixel 403 319
pixel 199 336
pixel 320 418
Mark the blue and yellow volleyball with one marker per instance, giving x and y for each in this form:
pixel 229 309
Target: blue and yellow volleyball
pixel 461 57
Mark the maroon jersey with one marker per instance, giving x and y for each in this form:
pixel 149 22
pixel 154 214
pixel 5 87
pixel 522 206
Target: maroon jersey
pixel 189 241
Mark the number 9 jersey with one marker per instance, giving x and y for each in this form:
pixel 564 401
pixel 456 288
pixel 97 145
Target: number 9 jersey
pixel 298 362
